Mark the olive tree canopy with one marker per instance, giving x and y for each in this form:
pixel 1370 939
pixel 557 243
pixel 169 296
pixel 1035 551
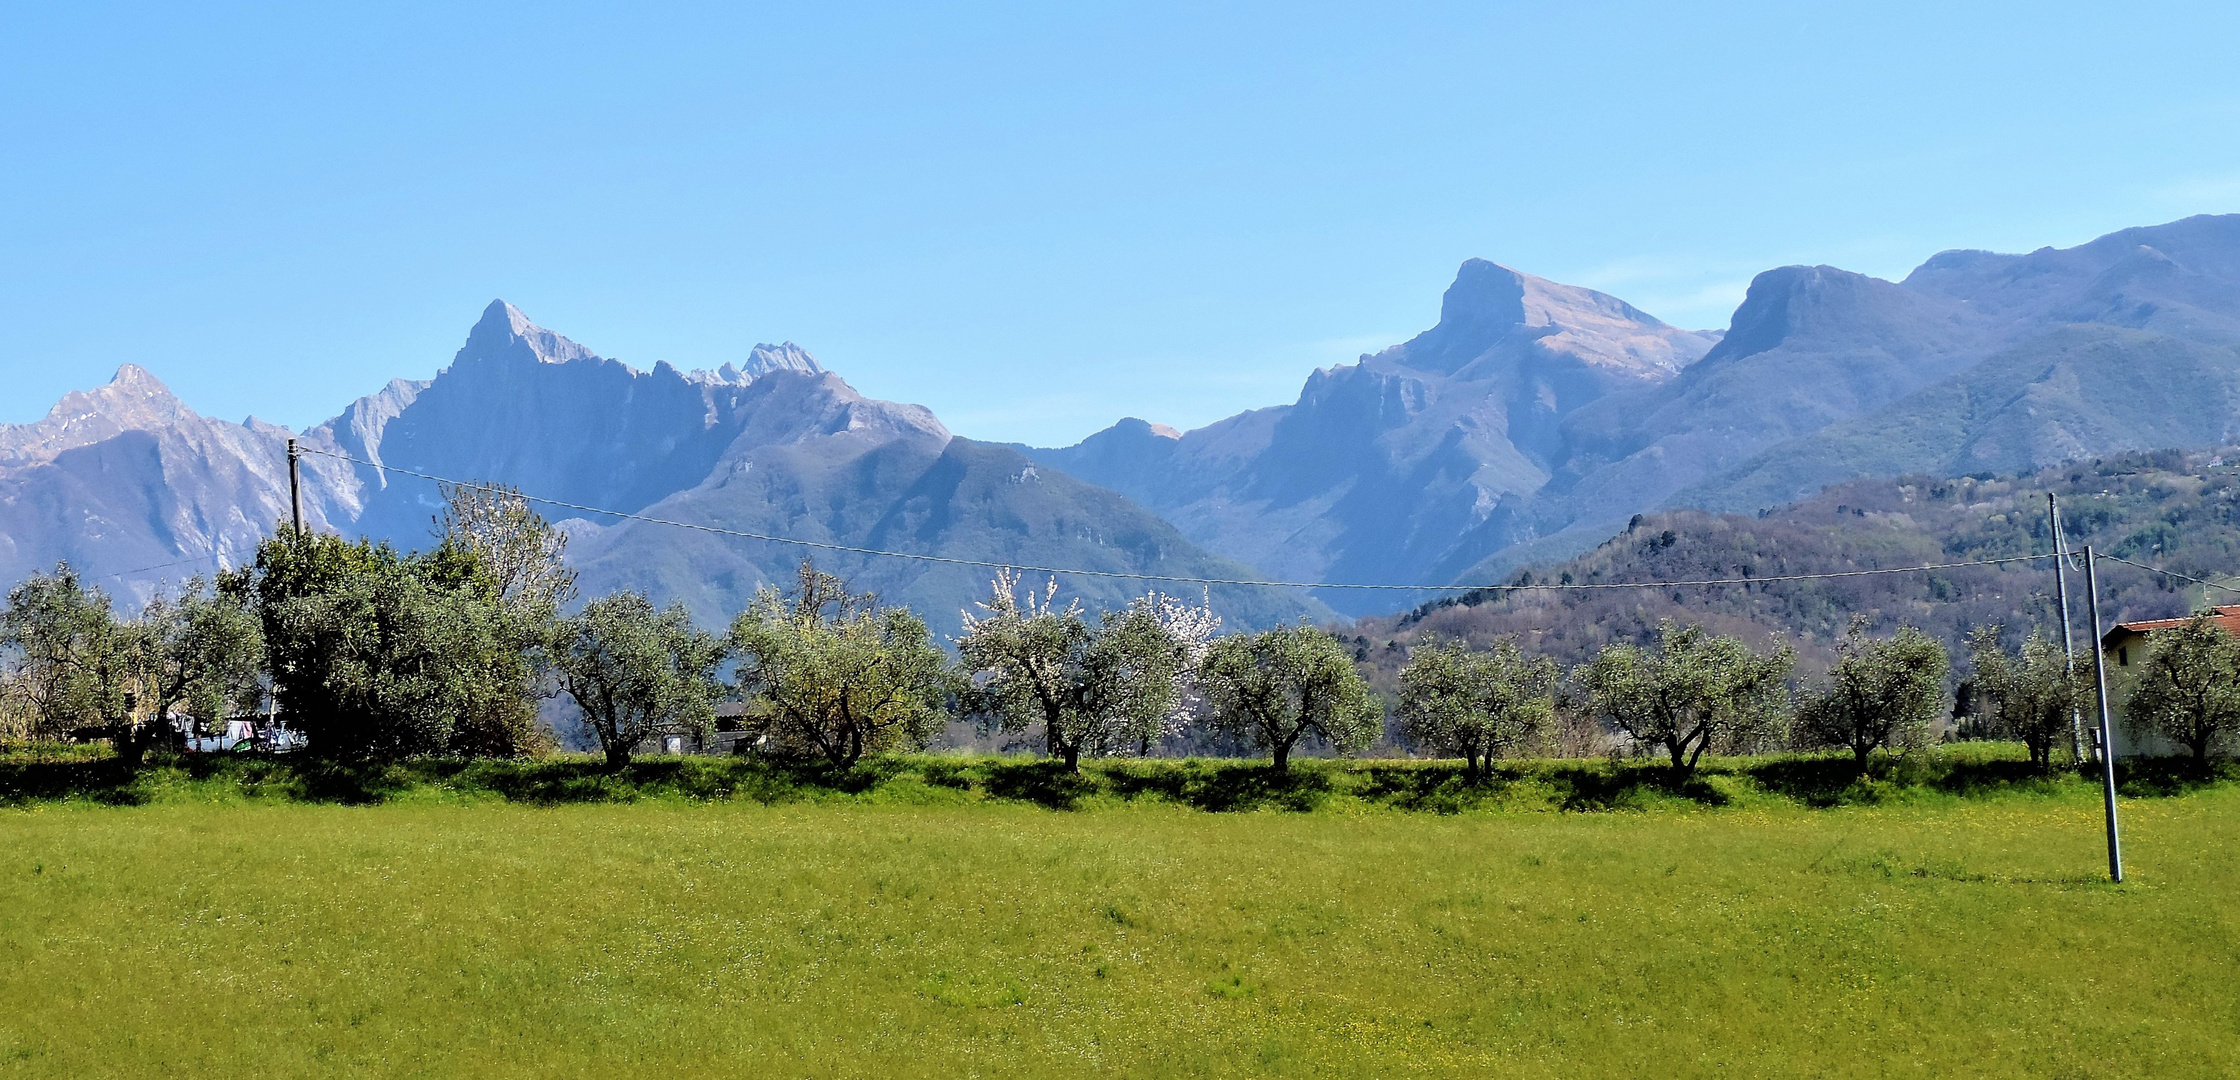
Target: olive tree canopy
pixel 2031 694
pixel 636 671
pixel 1690 693
pixel 832 674
pixel 2189 690
pixel 70 662
pixel 1881 695
pixel 1279 686
pixel 1476 705
pixel 203 654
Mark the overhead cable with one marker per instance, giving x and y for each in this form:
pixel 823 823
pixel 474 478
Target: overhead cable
pixel 1000 565
pixel 175 562
pixel 2166 573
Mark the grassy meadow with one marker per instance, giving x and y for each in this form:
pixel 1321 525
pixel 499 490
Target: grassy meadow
pixel 976 917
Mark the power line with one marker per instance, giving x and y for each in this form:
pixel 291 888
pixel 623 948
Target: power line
pixel 214 554
pixel 2166 573
pixel 996 565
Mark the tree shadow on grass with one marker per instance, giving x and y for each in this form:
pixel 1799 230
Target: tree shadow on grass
pixel 2166 777
pixel 1041 781
pixel 64 774
pixel 1584 785
pixel 755 779
pixel 59 773
pixel 1834 780
pixel 1230 787
pixel 1217 787
pixel 1431 787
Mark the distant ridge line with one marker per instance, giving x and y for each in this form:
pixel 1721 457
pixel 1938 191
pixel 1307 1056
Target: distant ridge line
pixel 998 565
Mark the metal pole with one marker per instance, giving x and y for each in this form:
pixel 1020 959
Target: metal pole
pixel 2100 695
pixel 2068 637
pixel 295 485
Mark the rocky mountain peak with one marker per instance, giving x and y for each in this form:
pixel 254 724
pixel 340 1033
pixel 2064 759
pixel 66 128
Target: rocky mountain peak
pixel 1493 316
pixel 1792 301
pixel 133 400
pixel 766 358
pixel 1134 427
pixel 504 330
pixel 762 360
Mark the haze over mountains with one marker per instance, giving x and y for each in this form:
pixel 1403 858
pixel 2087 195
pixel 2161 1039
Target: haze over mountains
pixel 126 478
pixel 1535 419
pixel 1531 422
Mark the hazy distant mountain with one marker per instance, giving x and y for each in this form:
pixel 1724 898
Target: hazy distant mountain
pixel 128 478
pixel 1536 418
pixel 1388 469
pixel 131 486
pixel 2130 342
pixel 776 446
pixel 1529 424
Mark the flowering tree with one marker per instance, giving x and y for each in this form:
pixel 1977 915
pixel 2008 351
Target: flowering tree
pixel 1122 682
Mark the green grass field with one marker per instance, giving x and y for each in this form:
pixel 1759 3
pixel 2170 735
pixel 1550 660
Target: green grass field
pixel 447 921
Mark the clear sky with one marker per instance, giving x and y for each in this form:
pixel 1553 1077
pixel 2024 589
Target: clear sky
pixel 1034 218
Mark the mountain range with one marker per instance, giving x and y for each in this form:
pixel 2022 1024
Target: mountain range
pixel 131 486
pixel 1535 419
pixel 1529 424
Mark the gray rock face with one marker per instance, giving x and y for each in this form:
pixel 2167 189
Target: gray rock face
pixel 2124 343
pixel 1388 469
pixel 1536 418
pixel 132 487
pixel 524 406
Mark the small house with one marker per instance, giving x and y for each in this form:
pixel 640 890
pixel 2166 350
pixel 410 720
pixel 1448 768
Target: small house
pixel 2123 649
pixel 2125 643
pixel 730 736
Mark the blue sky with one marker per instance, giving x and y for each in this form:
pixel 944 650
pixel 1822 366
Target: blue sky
pixel 1033 218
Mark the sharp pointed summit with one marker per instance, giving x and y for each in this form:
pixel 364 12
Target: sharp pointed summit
pixel 504 330
pixel 1531 420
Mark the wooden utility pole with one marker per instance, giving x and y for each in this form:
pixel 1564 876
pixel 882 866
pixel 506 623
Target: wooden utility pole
pixel 2068 637
pixel 2100 695
pixel 295 486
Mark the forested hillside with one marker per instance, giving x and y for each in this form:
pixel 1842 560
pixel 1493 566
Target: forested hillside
pixel 2178 511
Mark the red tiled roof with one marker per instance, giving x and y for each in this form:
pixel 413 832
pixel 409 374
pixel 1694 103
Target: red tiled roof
pixel 2227 617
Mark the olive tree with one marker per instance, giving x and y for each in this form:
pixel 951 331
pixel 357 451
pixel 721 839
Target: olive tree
pixel 637 672
pixel 524 555
pixel 71 662
pixel 1279 686
pixel 1880 695
pixel 513 561
pixel 2029 694
pixel 381 655
pixel 1692 692
pixel 203 654
pixel 2189 690
pixel 1094 688
pixel 832 674
pixel 1476 705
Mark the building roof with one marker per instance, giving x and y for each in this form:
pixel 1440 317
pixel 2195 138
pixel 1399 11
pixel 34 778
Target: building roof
pixel 2227 616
